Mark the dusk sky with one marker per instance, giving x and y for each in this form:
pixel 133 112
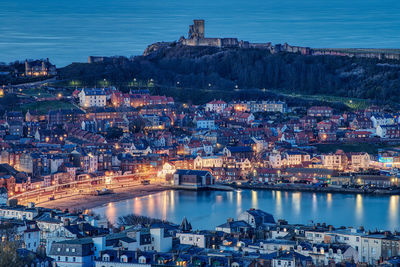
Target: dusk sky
pixel 68 31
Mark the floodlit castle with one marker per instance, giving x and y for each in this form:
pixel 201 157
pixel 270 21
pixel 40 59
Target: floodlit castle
pixel 196 37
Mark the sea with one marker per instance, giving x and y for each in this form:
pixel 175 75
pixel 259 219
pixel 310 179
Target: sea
pixel 208 209
pixel 68 31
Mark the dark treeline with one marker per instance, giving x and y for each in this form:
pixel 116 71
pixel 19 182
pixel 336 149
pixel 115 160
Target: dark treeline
pixel 226 69
pixel 133 219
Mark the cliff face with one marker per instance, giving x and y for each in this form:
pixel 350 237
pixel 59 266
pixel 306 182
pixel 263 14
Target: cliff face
pixel 156 47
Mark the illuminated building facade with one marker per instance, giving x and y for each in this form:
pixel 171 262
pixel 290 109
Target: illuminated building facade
pixel 39 68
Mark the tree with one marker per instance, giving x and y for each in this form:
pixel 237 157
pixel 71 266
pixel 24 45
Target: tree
pixel 9 256
pixel 114 132
pixel 137 125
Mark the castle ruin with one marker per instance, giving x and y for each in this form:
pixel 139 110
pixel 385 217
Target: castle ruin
pixel 196 37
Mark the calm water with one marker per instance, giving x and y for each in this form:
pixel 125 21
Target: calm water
pixel 205 210
pixel 70 30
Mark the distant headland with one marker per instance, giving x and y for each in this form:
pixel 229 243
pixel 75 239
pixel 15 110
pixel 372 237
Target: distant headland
pixel 197 37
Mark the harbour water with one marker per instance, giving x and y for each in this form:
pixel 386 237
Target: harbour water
pixel 70 30
pixel 207 209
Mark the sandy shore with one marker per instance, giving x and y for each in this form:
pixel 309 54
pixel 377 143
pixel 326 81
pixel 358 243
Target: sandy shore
pixel 83 202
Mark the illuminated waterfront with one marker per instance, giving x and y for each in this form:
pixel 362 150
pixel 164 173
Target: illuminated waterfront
pixel 205 210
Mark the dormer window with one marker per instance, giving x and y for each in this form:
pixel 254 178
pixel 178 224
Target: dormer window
pixel 124 258
pixel 106 257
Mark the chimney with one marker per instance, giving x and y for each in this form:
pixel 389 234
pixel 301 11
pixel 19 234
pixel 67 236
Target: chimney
pixel 66 222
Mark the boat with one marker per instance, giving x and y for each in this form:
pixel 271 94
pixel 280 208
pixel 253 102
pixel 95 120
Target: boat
pixel 103 191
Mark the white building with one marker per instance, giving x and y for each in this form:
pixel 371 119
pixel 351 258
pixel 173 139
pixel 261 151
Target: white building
pixel 19 212
pixel 275 160
pixel 167 169
pixel 95 97
pixel 334 161
pixel 359 161
pixel 384 119
pixel 217 106
pixel 200 240
pixel 208 162
pixel 388 131
pixel 205 124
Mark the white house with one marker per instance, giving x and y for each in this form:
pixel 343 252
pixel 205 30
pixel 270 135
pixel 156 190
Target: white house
pixel 275 159
pixel 95 97
pixel 205 124
pixel 19 212
pixel 217 106
pixel 208 162
pixel 167 169
pixel 384 119
pixel 200 239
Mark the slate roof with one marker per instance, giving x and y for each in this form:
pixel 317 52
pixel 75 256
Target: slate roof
pixel 192 172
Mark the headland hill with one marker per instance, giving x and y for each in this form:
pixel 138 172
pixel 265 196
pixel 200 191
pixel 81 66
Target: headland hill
pixel 198 69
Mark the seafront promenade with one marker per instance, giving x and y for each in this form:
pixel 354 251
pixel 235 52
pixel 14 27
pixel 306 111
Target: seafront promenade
pixel 313 188
pixel 83 202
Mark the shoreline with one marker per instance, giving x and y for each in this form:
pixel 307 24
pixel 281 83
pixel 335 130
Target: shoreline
pixel 75 202
pixel 297 188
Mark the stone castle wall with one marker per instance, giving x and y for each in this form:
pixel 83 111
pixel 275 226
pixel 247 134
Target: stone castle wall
pixel 197 37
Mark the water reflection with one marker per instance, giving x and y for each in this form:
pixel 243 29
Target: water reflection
pixel 394 211
pixel 278 203
pixel 218 199
pixel 296 203
pixel 230 197
pixel 137 206
pixel 359 208
pixel 254 199
pixel 172 200
pixel 328 200
pixel 165 202
pixel 110 211
pixel 205 210
pixel 314 203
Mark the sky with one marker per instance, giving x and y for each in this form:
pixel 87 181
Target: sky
pixel 70 31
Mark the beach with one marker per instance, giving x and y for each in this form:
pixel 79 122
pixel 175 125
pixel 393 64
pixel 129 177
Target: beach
pixel 84 201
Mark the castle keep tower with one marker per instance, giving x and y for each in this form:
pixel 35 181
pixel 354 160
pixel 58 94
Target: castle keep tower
pixel 196 31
